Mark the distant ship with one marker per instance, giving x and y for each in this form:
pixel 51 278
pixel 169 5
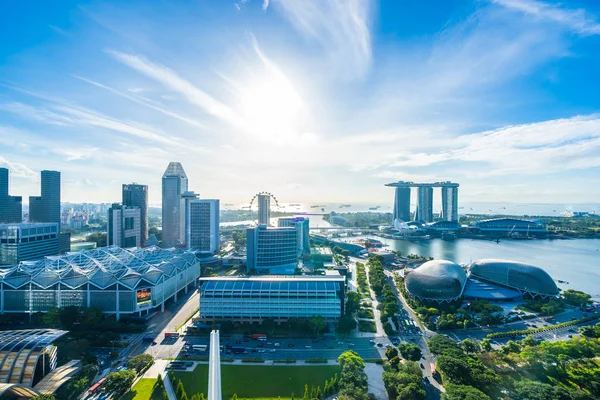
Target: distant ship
pixel 374 208
pixel 345 205
pixel 315 206
pixel 322 209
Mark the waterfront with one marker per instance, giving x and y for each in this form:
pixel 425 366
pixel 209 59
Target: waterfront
pixel 576 261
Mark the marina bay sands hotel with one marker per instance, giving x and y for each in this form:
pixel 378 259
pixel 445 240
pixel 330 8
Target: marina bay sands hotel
pixel 424 213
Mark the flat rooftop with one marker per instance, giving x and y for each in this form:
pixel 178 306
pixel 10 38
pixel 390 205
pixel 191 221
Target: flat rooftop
pixel 281 278
pixel 322 251
pixel 475 289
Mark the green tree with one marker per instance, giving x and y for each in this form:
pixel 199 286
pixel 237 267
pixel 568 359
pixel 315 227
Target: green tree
pixel 114 354
pixel 234 397
pixel 471 346
pixel 140 362
pixel 529 341
pixel 353 302
pixel 52 317
pixel 316 323
pixel 486 345
pixel 463 392
pixel 346 324
pixel 391 353
pixel 531 390
pixel 120 381
pixel 98 237
pixel 179 390
pixel 576 297
pixel 410 351
pixel 44 397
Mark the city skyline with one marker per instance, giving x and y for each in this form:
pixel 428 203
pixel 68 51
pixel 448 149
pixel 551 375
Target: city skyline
pixel 498 95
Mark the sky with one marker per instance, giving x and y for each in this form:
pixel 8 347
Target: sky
pixel 311 100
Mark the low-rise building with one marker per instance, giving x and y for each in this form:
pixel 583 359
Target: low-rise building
pixel 254 298
pixel 26 242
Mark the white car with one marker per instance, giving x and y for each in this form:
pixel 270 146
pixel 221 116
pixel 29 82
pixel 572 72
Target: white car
pixel 272 350
pixel 340 342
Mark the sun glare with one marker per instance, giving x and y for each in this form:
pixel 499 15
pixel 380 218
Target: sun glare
pixel 272 110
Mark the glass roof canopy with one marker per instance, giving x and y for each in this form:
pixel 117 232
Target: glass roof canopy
pixel 101 267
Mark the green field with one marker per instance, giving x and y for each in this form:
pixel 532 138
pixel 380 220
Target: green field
pixel 259 382
pixel 143 390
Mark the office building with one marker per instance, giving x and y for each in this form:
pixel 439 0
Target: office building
pixel 202 231
pixel 264 209
pixel 64 242
pixel 424 213
pixel 174 184
pixel 46 208
pixel 135 195
pixel 123 226
pixel 115 280
pixel 402 204
pixel 254 298
pixel 302 226
pixel 25 242
pixel 272 250
pixel 11 207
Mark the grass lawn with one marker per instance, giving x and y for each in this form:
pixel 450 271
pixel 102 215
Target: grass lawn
pixel 259 381
pixel 143 390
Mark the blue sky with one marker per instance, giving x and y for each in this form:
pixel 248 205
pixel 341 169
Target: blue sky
pixel 312 100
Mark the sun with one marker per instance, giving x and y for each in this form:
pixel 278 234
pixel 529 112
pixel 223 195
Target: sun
pixel 272 110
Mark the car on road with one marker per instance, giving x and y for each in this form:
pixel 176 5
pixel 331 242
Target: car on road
pixel 291 345
pixel 570 336
pixel 422 366
pixel 308 346
pixel 387 346
pixel 340 342
pixel 350 344
pixel 262 350
pixel 272 350
pixel 154 343
pixel 379 345
pixel 371 341
pixel 245 340
pixel 277 345
pixel 238 342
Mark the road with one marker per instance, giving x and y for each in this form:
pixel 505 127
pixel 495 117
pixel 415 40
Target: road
pixel 432 386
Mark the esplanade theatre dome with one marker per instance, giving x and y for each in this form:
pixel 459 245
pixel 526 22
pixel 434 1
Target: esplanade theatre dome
pixel 515 275
pixel 437 280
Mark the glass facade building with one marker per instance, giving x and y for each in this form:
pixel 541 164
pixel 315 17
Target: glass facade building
pixel 202 225
pixel 25 242
pixel 253 298
pixel 272 250
pixel 174 184
pixel 123 226
pixel 46 208
pixel 11 207
pixel 115 280
pixel 302 226
pixel 509 225
pixel 135 195
pixel 264 209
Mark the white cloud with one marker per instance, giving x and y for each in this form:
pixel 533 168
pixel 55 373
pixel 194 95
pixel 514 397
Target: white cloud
pixel 577 20
pixel 170 79
pixel 143 102
pixel 18 169
pixel 340 26
pixel 530 149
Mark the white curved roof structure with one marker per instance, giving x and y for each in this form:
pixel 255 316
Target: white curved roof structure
pixel 437 280
pixel 101 267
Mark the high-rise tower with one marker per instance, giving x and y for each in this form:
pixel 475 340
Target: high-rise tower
pixel 424 212
pixel 402 204
pixel 264 209
pixel 174 184
pixel 11 207
pixel 46 208
pixel 201 223
pixel 450 203
pixel 135 195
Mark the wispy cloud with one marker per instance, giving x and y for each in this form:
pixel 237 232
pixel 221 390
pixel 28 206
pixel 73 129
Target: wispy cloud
pixel 143 102
pixel 577 20
pixel 538 148
pixel 340 26
pixel 18 169
pixel 170 79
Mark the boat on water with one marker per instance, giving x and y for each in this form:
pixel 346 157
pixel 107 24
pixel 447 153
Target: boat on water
pixel 373 208
pixel 565 282
pixel 345 205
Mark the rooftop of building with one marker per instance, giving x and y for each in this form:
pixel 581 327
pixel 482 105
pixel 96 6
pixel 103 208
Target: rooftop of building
pixel 100 267
pixel 414 184
pixel 281 278
pixel 175 169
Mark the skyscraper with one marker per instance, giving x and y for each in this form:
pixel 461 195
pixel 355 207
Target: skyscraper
pixel 264 209
pixel 46 208
pixel 302 226
pixel 450 203
pixel 123 226
pixel 424 212
pixel 174 184
pixel 11 208
pixel 136 195
pixel 402 204
pixel 272 250
pixel 201 223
